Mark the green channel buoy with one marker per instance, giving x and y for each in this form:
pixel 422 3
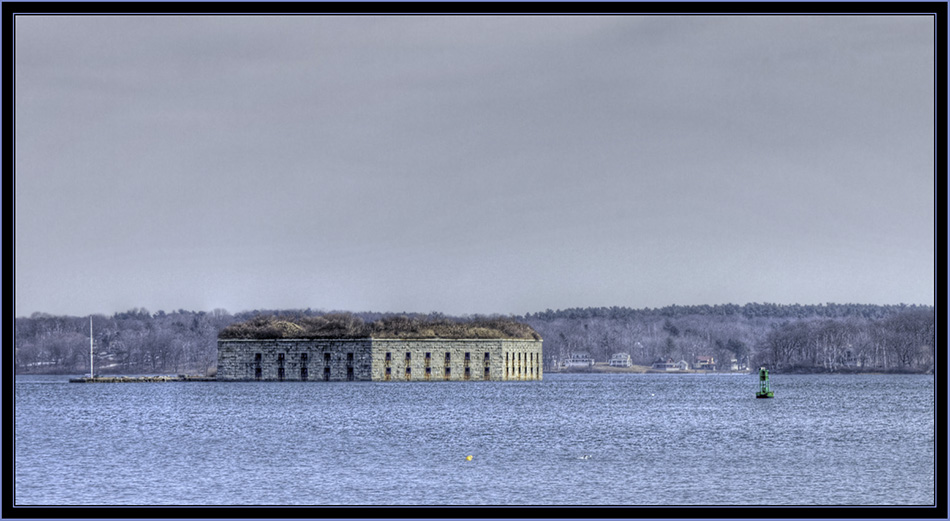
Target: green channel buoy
pixel 764 390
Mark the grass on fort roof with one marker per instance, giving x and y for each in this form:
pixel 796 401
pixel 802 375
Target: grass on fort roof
pixel 345 325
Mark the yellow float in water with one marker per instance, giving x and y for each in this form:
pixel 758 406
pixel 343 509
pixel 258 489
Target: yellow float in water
pixel 468 458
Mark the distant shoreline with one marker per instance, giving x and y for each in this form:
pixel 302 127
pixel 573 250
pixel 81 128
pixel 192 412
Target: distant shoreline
pixel 642 369
pixel 564 371
pixel 598 368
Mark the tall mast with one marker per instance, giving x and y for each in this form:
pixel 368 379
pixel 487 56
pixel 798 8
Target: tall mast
pixel 90 346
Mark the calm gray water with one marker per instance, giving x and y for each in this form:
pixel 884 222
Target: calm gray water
pixel 570 439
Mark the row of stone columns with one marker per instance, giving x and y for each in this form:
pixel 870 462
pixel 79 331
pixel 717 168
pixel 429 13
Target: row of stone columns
pixel 522 366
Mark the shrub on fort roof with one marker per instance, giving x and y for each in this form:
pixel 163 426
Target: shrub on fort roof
pixel 346 325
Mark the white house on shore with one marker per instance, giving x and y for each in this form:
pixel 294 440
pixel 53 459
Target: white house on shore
pixel 669 365
pixel 706 363
pixel 579 360
pixel 620 360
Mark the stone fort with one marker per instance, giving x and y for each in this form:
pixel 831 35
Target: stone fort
pixel 379 359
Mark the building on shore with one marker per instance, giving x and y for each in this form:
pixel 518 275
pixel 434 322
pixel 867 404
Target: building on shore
pixel 705 363
pixel 379 360
pixel 578 360
pixel 669 365
pixel 620 360
pixel 280 350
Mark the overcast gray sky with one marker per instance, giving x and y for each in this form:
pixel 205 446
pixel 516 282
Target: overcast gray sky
pixel 472 164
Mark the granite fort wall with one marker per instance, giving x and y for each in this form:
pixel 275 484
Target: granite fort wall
pixel 380 360
pixel 295 360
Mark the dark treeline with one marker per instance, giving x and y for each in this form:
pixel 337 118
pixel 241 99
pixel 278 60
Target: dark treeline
pixel 135 341
pixel 812 338
pixel 749 311
pixel 831 337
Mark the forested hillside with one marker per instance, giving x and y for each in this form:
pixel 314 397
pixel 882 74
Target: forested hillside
pixel 830 337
